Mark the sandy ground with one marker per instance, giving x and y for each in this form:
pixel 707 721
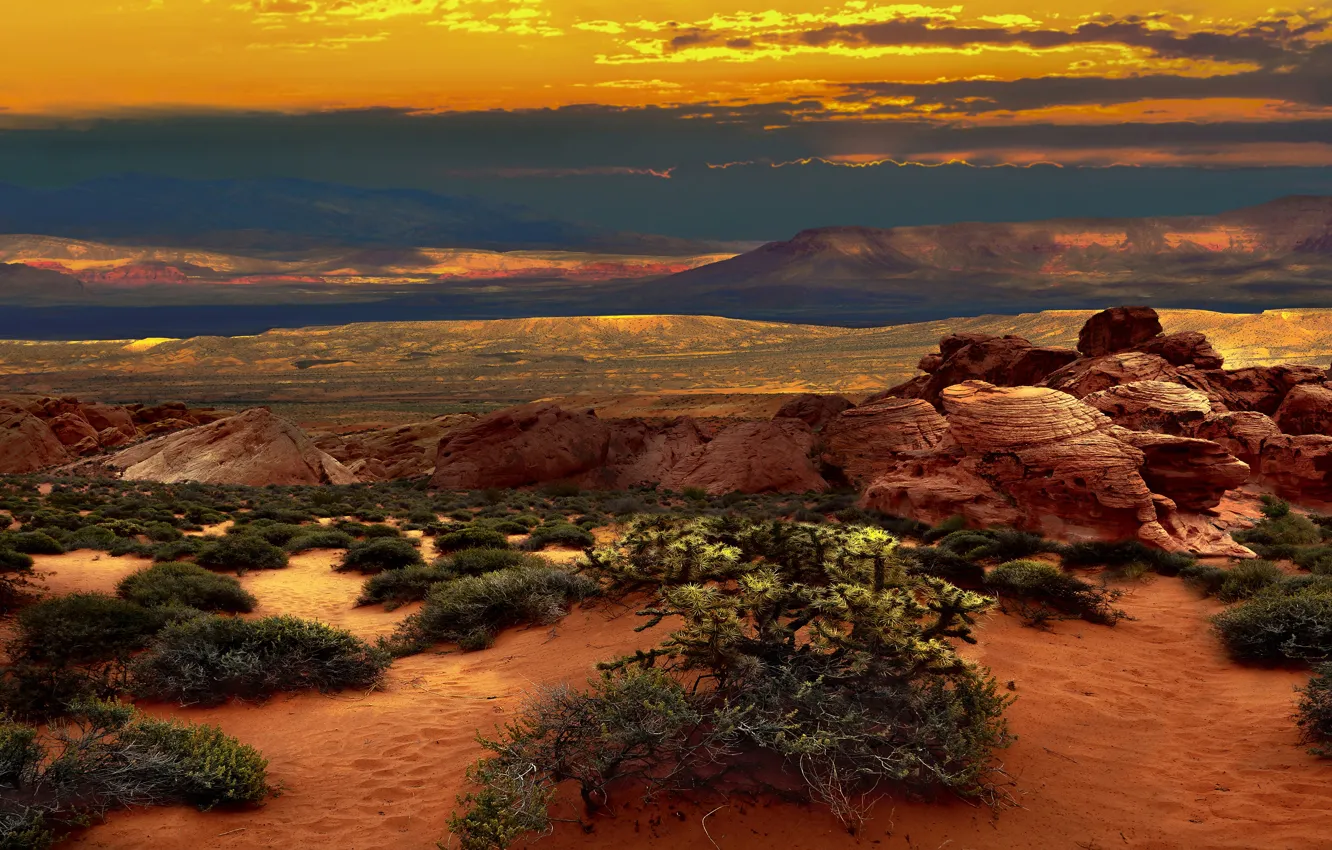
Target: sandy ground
pixel 1144 735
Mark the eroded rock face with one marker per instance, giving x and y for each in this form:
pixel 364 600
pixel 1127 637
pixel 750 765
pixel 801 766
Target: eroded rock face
pixel 1261 388
pixel 1117 329
pixel 864 442
pixel 254 447
pixel 1090 375
pixel 531 444
pixel 104 416
pixel 74 432
pixel 26 444
pixel 1297 467
pixel 1306 409
pixel 1158 406
pixel 404 451
pixel 813 409
pixel 1004 361
pixel 643 452
pixel 752 457
pixel 1241 433
pixel 1187 348
pixel 1192 473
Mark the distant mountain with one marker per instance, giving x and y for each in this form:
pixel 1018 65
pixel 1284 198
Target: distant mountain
pixel 1236 257
pixel 24 284
pixel 280 215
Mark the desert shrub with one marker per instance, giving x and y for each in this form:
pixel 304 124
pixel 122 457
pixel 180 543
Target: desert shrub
pixel 1124 555
pixel 1314 712
pixel 473 562
pixel 277 533
pixel 1273 626
pixel 1315 559
pixel 559 534
pixel 820 649
pixel 186 586
pixel 209 659
pixel 83 627
pixel 1247 578
pixel 944 564
pixel 90 537
pixel 381 553
pixel 561 489
pixel 394 588
pixel 470 610
pixel 1283 528
pixel 944 528
pixel 318 538
pixel 1277 551
pixel 380 530
pixel 967 543
pixel 175 550
pixel 1206 577
pixel 241 552
pixel 12 561
pixel 108 756
pixel 1044 592
pixel 1007 544
pixel 161 532
pixel 506 527
pixel 31 543
pixel 471 537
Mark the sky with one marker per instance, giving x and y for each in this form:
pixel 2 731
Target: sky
pixel 594 107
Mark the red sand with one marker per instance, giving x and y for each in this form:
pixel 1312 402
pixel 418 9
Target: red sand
pixel 1144 735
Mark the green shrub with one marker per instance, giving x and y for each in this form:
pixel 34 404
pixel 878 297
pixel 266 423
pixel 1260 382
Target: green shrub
pixel 277 533
pixel 1315 559
pixel 507 527
pixel 941 563
pixel 1124 556
pixel 1044 592
pixel 471 537
pixel 398 587
pixel 944 528
pixel 1288 528
pixel 90 537
pixel 378 530
pixel 241 552
pixel 162 532
pixel 209 659
pixel 1247 578
pixel 31 543
pixel 382 553
pixel 1314 713
pixel 108 756
pixel 1272 626
pixel 83 627
pixel 14 562
pixel 469 611
pixel 185 586
pixel 559 534
pixel 175 550
pixel 473 562
pixel 319 538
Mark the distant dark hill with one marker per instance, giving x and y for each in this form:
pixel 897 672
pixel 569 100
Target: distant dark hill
pixel 285 214
pixel 1280 250
pixel 20 284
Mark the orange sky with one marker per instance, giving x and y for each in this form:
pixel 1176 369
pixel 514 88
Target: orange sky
pixel 111 56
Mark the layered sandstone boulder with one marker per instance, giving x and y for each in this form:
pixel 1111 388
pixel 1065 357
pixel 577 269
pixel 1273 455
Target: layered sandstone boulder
pixel 1194 474
pixel 1090 375
pixel 1118 329
pixel 752 457
pixel 865 441
pixel 74 432
pixel 1261 388
pixel 1186 348
pixel 1241 433
pixel 1298 467
pixel 1000 360
pixel 254 447
pixel 644 452
pixel 1306 409
pixel 403 451
pixel 1159 406
pixel 26 443
pixel 814 409
pixel 109 416
pixel 530 444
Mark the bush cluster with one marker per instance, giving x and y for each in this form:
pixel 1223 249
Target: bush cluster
pixel 1043 592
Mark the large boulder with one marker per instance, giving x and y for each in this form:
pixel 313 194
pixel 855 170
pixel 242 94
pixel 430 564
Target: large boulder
pixel 530 444
pixel 74 432
pixel 1158 406
pixel 752 457
pixel 1297 467
pixel 254 447
pixel 1118 329
pixel 645 452
pixel 813 409
pixel 104 416
pixel 865 441
pixel 1186 348
pixel 1005 361
pixel 26 444
pixel 1090 375
pixel 1260 388
pixel 1240 432
pixel 1306 409
pixel 403 451
pixel 1192 473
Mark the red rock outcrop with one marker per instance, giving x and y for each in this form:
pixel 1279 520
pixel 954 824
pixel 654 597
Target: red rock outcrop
pixel 1004 361
pixel 404 451
pixel 1192 473
pixel 530 444
pixel 1306 409
pixel 104 416
pixel 1187 348
pixel 752 457
pixel 644 452
pixel 1261 388
pixel 74 432
pixel 1159 406
pixel 254 447
pixel 814 409
pixel 26 444
pixel 1090 375
pixel 864 442
pixel 1297 467
pixel 1241 433
pixel 1118 329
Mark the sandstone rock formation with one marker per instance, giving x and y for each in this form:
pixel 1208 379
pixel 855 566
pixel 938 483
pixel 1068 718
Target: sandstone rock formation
pixel 74 432
pixel 643 452
pixel 1297 467
pixel 1261 388
pixel 523 445
pixel 254 447
pixel 1241 433
pixel 1001 360
pixel 1117 329
pixel 404 451
pixel 752 457
pixel 1160 406
pixel 26 444
pixel 865 441
pixel 813 409
pixel 1187 348
pixel 1306 409
pixel 1191 472
pixel 1090 375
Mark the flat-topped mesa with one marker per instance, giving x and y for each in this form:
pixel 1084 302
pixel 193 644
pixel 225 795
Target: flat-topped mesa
pixel 866 440
pixel 1159 406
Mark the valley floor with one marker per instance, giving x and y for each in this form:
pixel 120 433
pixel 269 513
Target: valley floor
pixel 1144 735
